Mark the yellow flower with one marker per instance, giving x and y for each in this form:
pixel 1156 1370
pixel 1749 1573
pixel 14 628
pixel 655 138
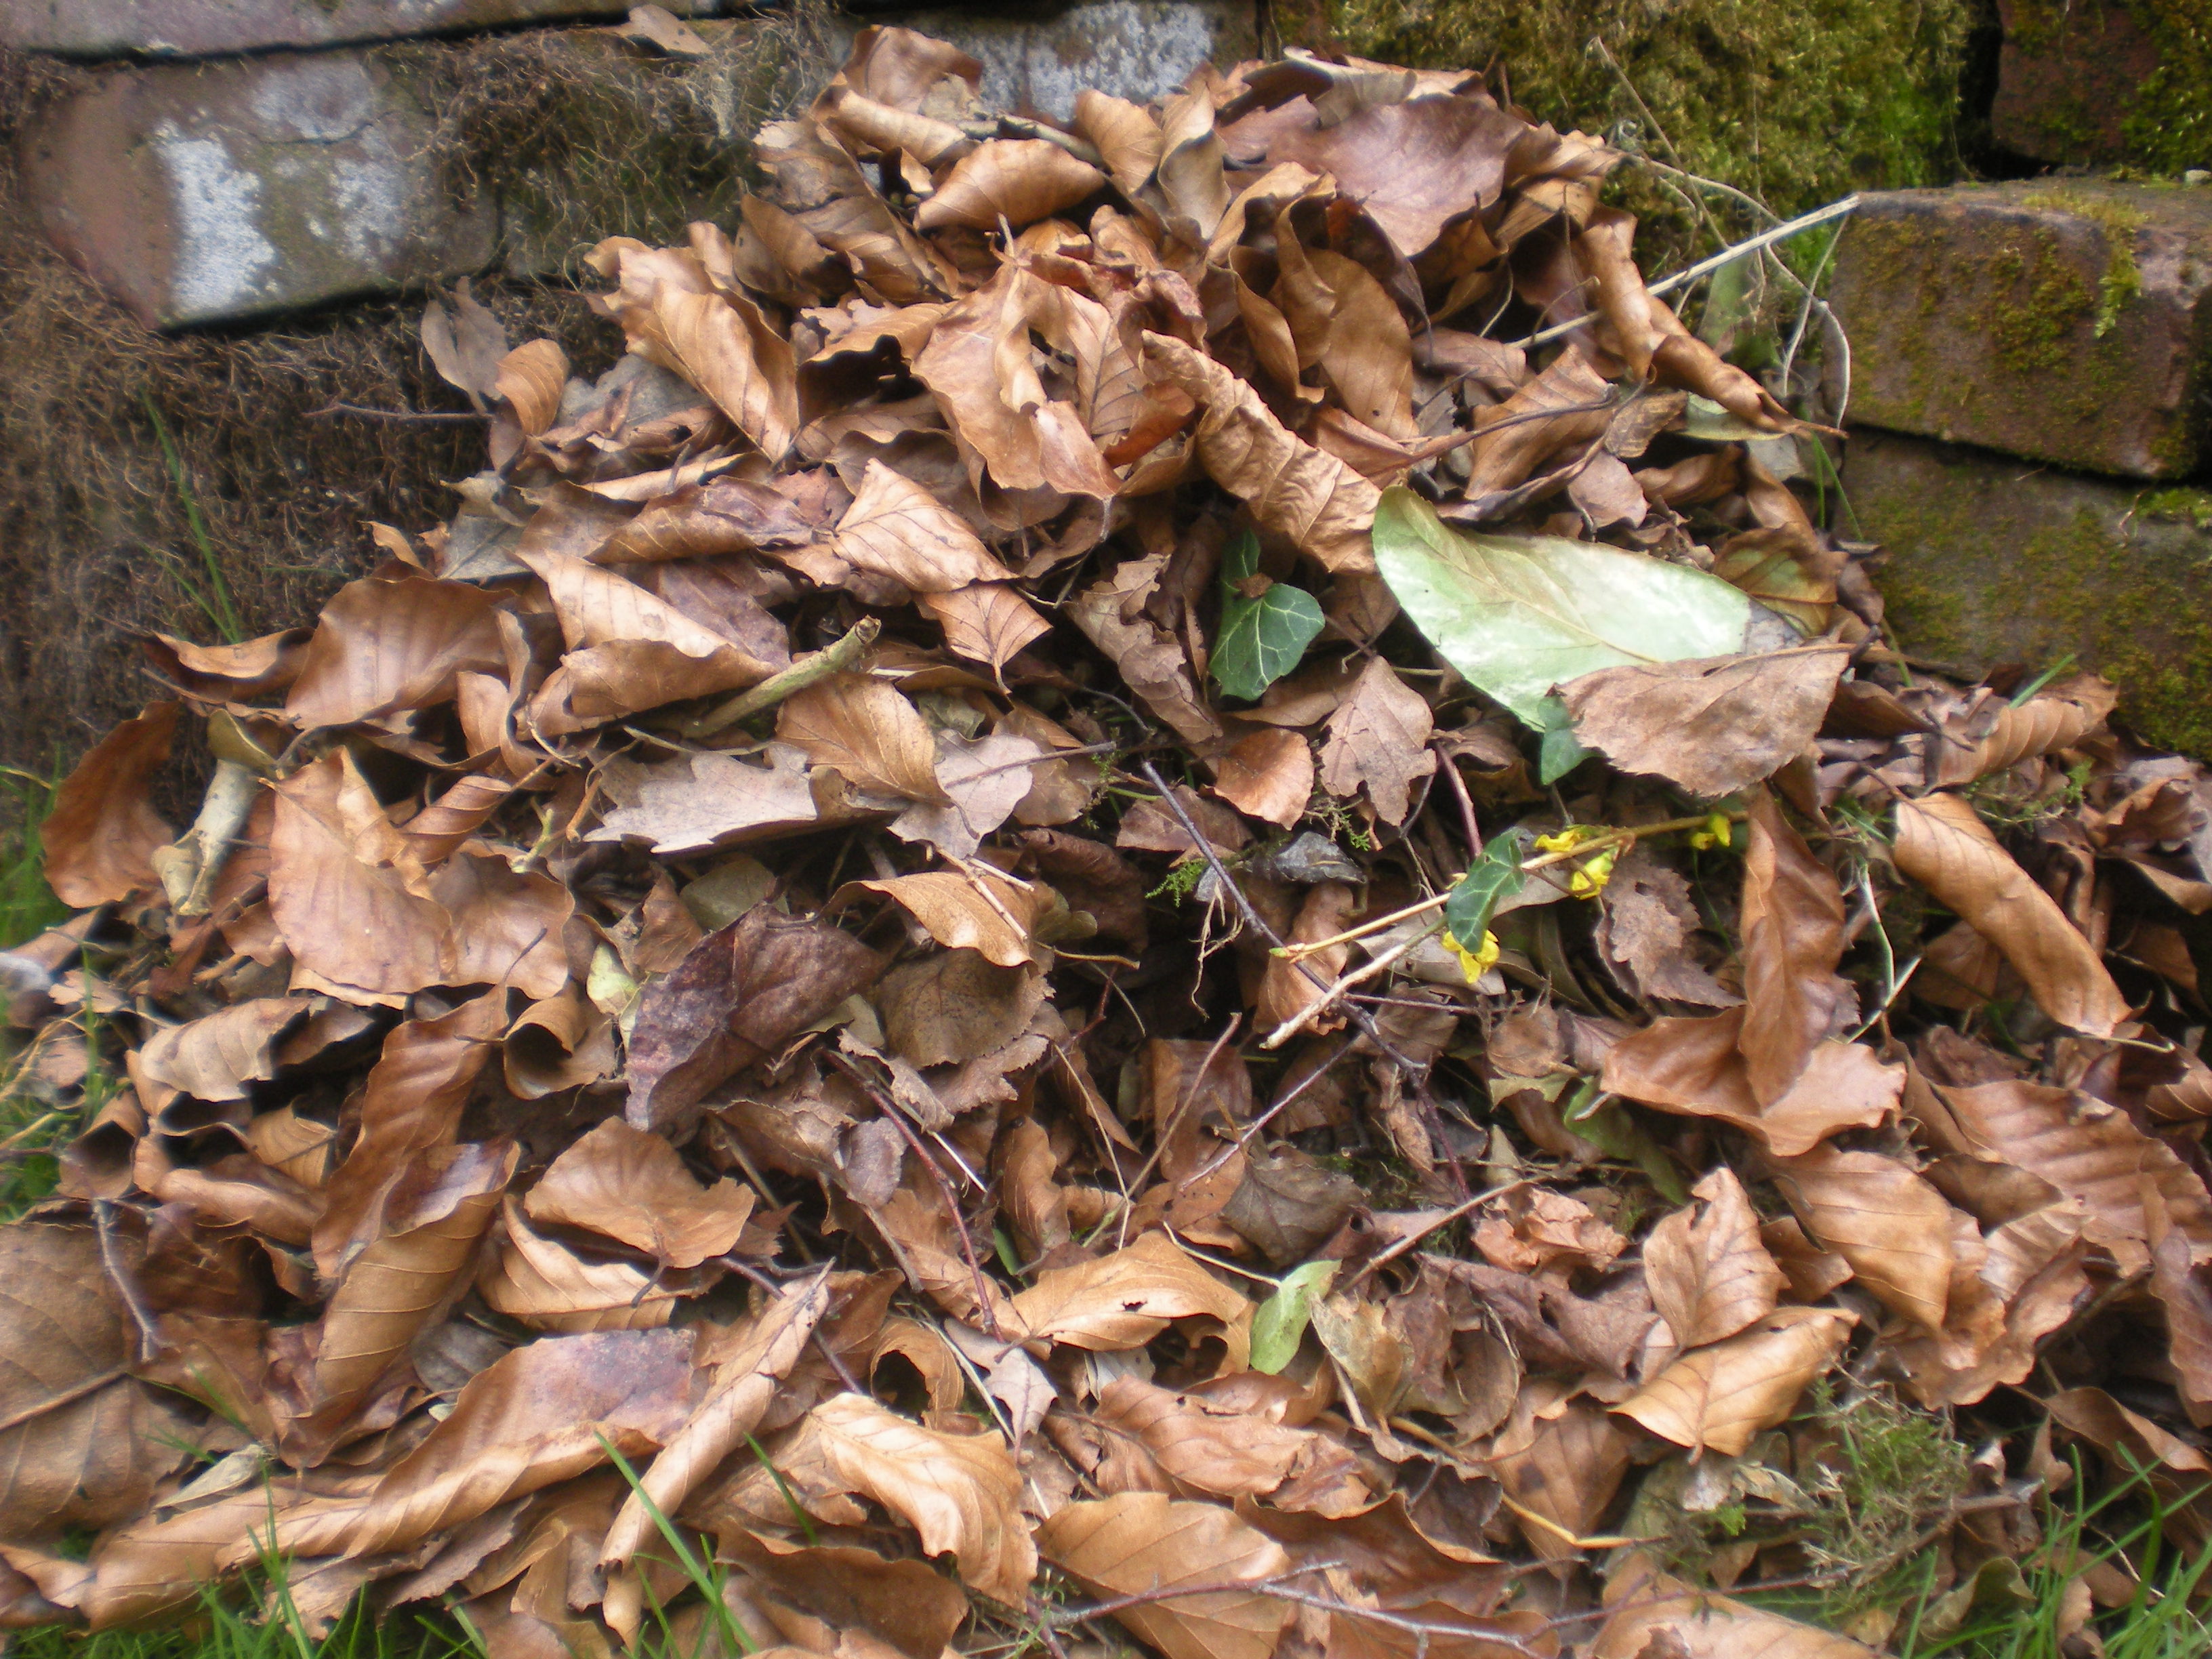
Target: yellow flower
pixel 1589 881
pixel 1474 963
pixel 1714 833
pixel 1574 835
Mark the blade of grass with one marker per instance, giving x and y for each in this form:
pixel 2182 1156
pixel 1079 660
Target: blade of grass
pixel 213 600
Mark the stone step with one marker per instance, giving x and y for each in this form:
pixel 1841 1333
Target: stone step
pixel 1038 56
pixel 2061 320
pixel 1990 560
pixel 215 193
pixel 199 29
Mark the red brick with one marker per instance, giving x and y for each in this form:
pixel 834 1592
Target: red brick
pixel 2061 320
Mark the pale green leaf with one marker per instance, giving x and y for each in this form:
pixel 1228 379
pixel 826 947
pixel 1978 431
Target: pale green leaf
pixel 1518 614
pixel 1279 1324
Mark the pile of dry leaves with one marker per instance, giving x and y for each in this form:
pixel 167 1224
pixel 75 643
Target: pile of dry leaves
pixel 1082 915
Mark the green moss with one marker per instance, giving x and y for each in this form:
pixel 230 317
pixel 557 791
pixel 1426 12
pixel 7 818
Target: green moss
pixel 2168 124
pixel 1799 103
pixel 2180 505
pixel 1955 583
pixel 2037 301
pixel 2122 282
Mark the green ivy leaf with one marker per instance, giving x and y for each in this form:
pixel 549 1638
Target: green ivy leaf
pixel 1260 639
pixel 1279 1324
pixel 1494 878
pixel 1560 752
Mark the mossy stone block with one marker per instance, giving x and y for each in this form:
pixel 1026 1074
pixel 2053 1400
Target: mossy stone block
pixel 2061 320
pixel 1992 560
pixel 197 29
pixel 2101 83
pixel 212 193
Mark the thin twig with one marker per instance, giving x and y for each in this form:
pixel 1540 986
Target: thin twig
pixel 1253 919
pixel 402 417
pixel 1781 233
pixel 897 1121
pixel 1382 963
pixel 149 1336
pixel 1466 819
pixel 1465 1207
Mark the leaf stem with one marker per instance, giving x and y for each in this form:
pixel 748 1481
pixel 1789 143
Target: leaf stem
pixel 835 657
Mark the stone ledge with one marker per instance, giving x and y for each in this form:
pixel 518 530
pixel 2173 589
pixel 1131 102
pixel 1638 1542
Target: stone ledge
pixel 1038 56
pixel 1992 560
pixel 199 29
pixel 2061 320
pixel 215 193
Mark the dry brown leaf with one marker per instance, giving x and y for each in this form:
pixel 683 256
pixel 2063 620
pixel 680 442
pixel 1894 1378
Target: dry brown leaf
pixel 1139 1543
pixel 1125 135
pixel 1567 1476
pixel 1378 737
pixel 1709 1273
pixel 631 1186
pixel 960 1493
pixel 1721 1397
pixel 83 1443
pixel 384 646
pixel 1268 775
pixel 986 622
pixel 1694 1066
pixel 1412 166
pixel 540 1281
pixel 956 1007
pixel 897 530
pixel 2090 1152
pixel 1021 181
pixel 532 378
pixel 2052 721
pixel 324 1375
pixel 1792 920
pixel 1645 920
pixel 1658 1616
pixel 984 780
pixel 230 673
pixel 985 374
pixel 1942 844
pixel 864 728
pixel 546 1413
pixel 699 800
pixel 100 836
pixel 1225 1450
pixel 743 1384
pixel 1714 726
pixel 218 1055
pixel 737 992
pixel 1892 1226
pixel 1125 1299
pixel 627 649
pixel 1150 658
pixel 1289 487
pixel 976 911
pixel 723 345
